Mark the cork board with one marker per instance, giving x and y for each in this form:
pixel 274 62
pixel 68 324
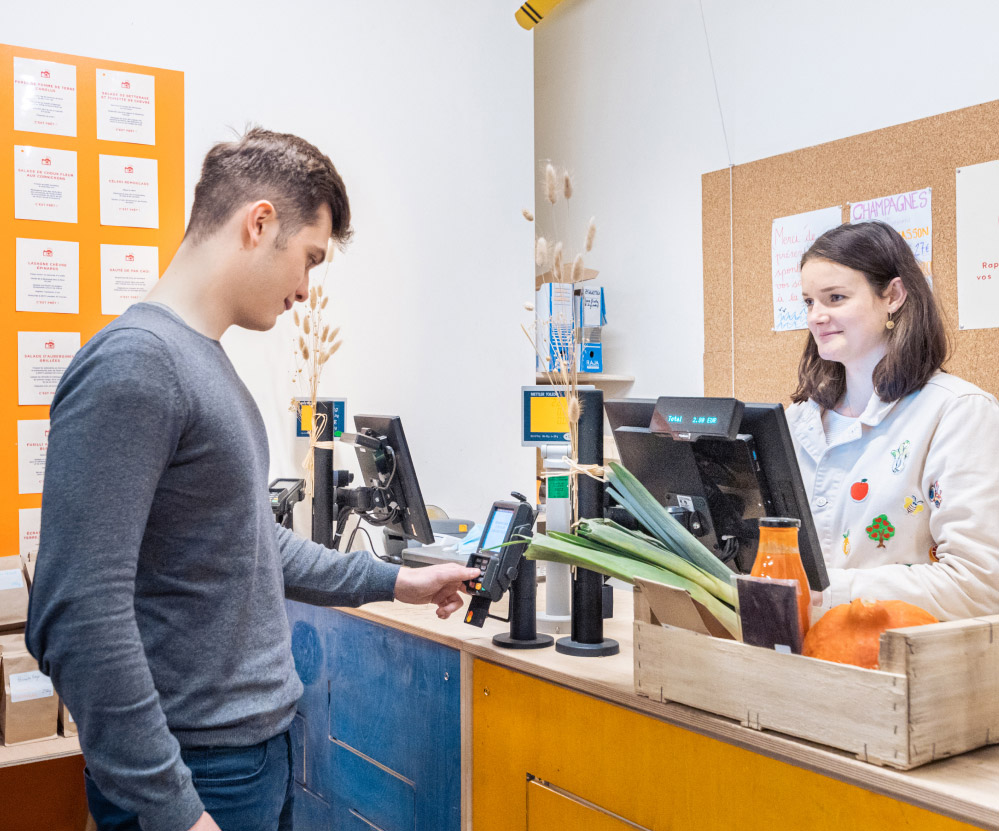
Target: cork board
pixel 743 357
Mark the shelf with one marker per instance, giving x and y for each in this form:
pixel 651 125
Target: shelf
pixel 22 754
pixel 595 378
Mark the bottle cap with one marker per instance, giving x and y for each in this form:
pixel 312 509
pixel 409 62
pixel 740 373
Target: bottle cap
pixel 779 522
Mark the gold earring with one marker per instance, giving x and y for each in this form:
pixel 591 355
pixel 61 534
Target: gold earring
pixel 891 323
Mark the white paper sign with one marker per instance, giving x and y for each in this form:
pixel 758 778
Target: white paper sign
pixel 27 686
pixel 977 223
pixel 910 214
pixel 47 276
pixel 44 97
pixel 32 445
pixel 42 358
pixel 792 236
pixel 126 107
pixel 29 524
pixel 129 192
pixel 591 303
pixel 128 272
pixel 44 184
pixel 11 578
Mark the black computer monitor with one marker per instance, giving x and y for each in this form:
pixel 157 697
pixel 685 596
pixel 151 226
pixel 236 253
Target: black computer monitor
pixel 722 486
pixel 387 469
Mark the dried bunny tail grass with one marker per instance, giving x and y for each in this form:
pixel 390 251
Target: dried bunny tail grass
pixel 313 297
pixel 528 215
pixel 541 251
pixel 325 335
pixel 567 185
pixel 577 268
pixel 304 347
pixel 573 408
pixel 550 187
pixel 306 325
pixel 557 258
pixel 529 306
pixel 329 350
pixel 319 290
pixel 296 318
pixel 301 344
pixel 591 232
pixel 330 248
pixel 332 335
pixel 326 300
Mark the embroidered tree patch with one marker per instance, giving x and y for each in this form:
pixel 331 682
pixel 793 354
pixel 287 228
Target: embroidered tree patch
pixel 880 530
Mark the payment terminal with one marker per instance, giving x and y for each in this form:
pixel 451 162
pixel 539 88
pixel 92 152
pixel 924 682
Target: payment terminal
pixel 504 538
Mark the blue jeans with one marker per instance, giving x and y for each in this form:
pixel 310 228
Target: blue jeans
pixel 243 788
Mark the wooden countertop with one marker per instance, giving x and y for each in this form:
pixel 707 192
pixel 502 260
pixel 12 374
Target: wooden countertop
pixel 964 787
pixel 40 751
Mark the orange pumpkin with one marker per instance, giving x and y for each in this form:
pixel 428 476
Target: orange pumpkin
pixel 851 633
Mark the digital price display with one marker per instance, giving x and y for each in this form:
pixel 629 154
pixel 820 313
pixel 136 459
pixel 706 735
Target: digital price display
pixel 686 419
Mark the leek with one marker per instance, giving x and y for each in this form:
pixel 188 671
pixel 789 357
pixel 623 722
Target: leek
pixel 634 546
pixel 641 504
pixel 575 553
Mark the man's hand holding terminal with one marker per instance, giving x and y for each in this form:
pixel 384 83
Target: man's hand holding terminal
pixel 434 584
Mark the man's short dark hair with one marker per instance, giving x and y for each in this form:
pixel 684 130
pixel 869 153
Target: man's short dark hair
pixel 284 169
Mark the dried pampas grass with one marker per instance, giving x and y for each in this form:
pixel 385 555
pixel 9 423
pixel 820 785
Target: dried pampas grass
pixel 541 251
pixel 556 349
pixel 550 185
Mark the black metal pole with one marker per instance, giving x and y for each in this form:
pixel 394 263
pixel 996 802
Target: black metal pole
pixel 587 586
pixel 322 495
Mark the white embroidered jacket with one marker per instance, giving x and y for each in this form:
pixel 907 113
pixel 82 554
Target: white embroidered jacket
pixel 906 503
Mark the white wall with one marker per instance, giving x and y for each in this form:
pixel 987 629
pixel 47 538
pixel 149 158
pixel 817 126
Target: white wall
pixel 624 96
pixel 426 109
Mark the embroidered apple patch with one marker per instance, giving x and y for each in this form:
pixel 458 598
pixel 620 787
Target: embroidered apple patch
pixel 859 490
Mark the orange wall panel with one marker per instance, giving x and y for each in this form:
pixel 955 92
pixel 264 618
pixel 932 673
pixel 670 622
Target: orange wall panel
pixel 87 231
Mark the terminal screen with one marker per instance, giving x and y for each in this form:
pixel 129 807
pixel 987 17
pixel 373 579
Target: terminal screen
pixel 497 529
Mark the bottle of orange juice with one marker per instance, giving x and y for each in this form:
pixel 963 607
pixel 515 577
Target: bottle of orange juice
pixel 778 558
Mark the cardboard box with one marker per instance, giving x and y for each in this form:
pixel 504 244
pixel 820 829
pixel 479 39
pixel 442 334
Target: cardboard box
pixel 66 724
pixel 12 642
pixel 29 709
pixel 591 315
pixel 935 695
pixel 554 326
pixel 13 594
pixel 29 572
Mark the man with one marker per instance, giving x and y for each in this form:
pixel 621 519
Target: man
pixel 158 602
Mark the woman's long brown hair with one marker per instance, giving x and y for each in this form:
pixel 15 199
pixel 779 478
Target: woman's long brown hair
pixel 917 345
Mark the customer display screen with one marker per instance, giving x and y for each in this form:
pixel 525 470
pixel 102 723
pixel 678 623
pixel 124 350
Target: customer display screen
pixel 497 529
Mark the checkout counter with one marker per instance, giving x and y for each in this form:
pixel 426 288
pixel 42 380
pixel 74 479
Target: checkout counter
pixel 542 741
pixel 410 722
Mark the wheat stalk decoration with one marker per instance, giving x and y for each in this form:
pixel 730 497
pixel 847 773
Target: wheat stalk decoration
pixel 315 343
pixel 562 370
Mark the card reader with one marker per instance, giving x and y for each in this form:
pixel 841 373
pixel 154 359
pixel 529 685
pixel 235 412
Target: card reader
pixel 504 538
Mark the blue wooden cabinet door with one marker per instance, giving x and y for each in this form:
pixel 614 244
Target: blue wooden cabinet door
pixel 379 724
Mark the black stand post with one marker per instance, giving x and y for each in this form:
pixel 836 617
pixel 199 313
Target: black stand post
pixel 587 586
pixel 323 510
pixel 523 632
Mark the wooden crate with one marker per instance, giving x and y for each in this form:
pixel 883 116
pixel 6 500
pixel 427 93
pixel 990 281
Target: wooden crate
pixel 935 695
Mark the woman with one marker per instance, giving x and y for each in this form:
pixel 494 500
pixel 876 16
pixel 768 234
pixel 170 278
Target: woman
pixel 900 459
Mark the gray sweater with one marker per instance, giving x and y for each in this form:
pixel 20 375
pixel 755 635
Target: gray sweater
pixel 157 607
